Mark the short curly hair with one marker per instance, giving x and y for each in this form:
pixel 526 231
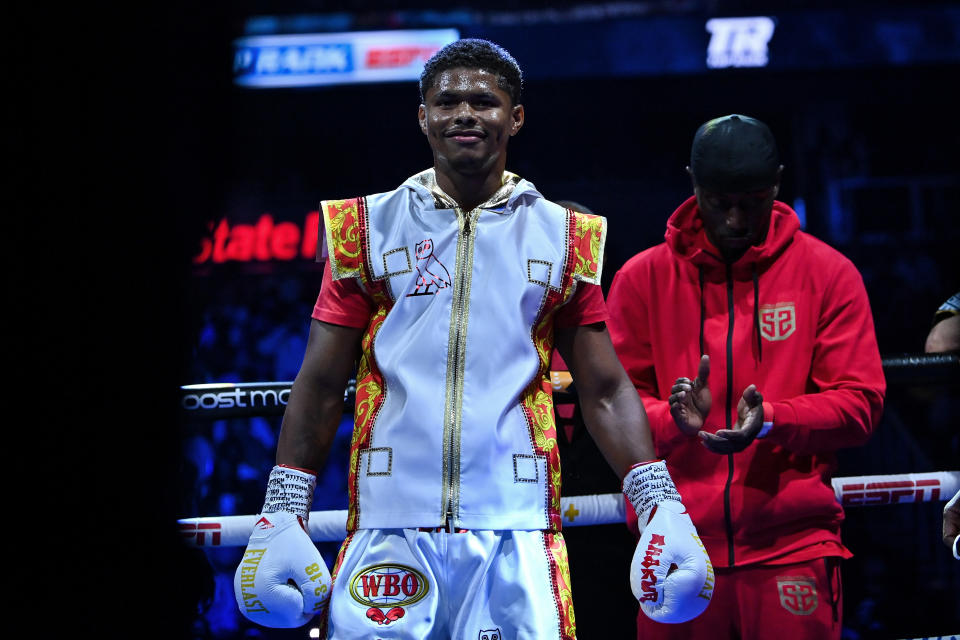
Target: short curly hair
pixel 475 53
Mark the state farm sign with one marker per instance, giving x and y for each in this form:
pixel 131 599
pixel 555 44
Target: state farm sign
pixel 263 241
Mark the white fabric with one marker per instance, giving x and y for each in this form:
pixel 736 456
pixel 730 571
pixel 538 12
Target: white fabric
pixel 436 450
pixel 671 574
pixel 280 550
pixel 671 539
pixel 446 585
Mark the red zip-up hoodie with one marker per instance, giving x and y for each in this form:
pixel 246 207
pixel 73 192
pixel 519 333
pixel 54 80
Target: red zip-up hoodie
pixel 791 316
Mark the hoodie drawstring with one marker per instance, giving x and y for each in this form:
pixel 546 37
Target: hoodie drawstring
pixel 756 311
pixel 703 308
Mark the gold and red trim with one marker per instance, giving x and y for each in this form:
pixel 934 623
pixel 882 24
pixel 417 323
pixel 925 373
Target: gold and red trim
pixel 588 234
pixel 559 564
pixel 583 262
pixel 343 230
pixel 346 228
pixel 324 618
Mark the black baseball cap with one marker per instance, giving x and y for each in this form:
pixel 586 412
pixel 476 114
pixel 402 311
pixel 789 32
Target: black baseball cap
pixel 734 154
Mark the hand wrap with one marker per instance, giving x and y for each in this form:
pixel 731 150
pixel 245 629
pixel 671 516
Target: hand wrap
pixel 671 574
pixel 282 580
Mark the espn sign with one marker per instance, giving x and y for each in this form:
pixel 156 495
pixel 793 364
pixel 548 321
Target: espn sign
pixel 200 532
pixel 399 56
pixel 857 494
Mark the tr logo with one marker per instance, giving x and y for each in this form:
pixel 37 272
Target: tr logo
pixel 738 42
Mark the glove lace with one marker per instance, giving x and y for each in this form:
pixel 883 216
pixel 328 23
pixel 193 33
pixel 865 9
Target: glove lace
pixel 289 490
pixel 649 484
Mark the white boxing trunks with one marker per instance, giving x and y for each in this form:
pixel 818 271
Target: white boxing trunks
pixel 468 585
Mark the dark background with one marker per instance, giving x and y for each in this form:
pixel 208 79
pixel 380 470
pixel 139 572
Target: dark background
pixel 131 138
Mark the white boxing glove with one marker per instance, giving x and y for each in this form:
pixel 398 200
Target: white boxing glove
pixel 282 580
pixel 671 574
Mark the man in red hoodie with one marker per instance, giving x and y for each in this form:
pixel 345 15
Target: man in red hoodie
pixel 752 346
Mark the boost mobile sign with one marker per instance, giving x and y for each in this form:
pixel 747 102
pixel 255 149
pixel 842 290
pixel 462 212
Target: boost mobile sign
pixel 255 398
pixel 244 399
pixel 304 60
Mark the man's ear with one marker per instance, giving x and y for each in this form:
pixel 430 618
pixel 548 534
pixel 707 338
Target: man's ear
pixel 776 186
pixel 422 118
pixel 518 115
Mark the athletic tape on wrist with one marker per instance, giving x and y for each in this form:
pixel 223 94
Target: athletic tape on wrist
pixel 648 485
pixel 290 490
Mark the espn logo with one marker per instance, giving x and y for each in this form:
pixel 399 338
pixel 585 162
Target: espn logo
pixel 399 56
pixel 198 531
pixel 896 492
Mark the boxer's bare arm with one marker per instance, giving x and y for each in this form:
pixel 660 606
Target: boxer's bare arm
pixel 315 407
pixel 612 410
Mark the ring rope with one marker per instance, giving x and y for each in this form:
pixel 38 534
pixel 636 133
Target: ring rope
pixel 588 510
pixel 244 399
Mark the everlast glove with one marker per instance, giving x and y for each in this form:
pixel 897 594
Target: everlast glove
pixel 671 574
pixel 282 580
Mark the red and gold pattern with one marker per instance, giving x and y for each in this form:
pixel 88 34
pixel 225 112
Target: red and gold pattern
pixel 324 618
pixel 589 234
pixel 560 582
pixel 346 229
pixel 369 399
pixel 342 226
pixel 537 404
pixel 586 235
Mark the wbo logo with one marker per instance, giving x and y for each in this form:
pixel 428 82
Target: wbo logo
pixel 387 589
pixel 778 321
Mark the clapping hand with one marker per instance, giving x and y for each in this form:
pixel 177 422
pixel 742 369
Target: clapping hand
pixel 748 425
pixel 690 400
